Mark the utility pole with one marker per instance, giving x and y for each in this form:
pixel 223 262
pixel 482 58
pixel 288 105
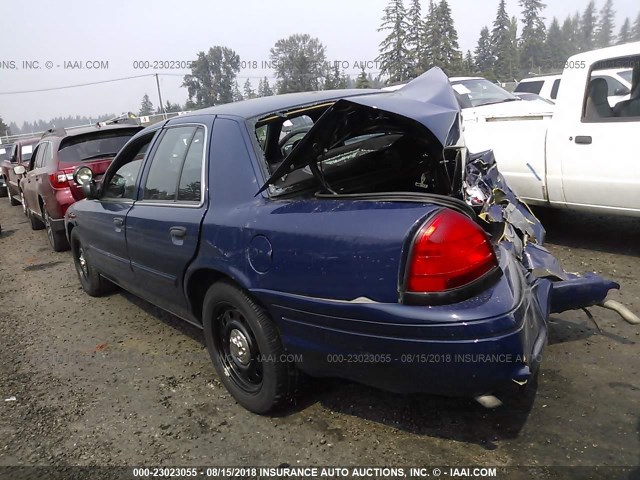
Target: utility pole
pixel 164 114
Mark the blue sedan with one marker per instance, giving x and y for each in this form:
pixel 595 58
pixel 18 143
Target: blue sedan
pixel 336 233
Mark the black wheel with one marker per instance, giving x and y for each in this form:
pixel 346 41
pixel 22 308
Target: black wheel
pixel 36 223
pixel 92 282
pixel 57 240
pixel 246 350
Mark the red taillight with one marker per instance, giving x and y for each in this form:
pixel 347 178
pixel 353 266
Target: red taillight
pixel 60 179
pixel 450 251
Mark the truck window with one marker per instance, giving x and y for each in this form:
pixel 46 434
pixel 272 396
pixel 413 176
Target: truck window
pixel 606 98
pixel 530 87
pixel 554 89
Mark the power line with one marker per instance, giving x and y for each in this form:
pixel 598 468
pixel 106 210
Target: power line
pixel 78 85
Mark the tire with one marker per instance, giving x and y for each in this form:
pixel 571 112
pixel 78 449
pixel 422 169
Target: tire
pixel 36 223
pixel 57 240
pixel 92 282
pixel 12 201
pixel 254 367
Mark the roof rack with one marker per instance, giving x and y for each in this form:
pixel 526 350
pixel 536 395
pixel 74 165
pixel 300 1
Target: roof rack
pixel 55 132
pixel 125 118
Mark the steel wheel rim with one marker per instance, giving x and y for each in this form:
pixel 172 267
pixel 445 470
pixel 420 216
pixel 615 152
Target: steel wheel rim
pixel 237 349
pixel 83 268
pixel 47 225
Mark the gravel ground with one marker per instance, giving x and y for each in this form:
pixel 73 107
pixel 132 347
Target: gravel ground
pixel 115 381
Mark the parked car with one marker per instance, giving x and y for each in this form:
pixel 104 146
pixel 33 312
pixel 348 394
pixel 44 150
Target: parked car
pixel 5 153
pixel 483 101
pixel 547 86
pixel 48 188
pixel 362 253
pixel 18 154
pixel 583 157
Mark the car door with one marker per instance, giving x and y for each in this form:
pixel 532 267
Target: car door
pixel 30 183
pixel 163 225
pixel 103 221
pixel 599 157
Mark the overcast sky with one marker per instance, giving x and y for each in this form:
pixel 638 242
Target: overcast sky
pixel 123 31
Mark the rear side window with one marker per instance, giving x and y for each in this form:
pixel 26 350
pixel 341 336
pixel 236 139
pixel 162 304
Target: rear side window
pixel 530 87
pixel 176 168
pixel 554 89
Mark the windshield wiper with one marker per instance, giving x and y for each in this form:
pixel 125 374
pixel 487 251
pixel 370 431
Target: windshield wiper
pixel 99 155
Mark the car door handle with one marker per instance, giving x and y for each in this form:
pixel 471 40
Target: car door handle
pixel 584 139
pixel 178 232
pixel 118 222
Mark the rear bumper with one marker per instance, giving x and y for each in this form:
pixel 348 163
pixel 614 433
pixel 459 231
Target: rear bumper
pixel 450 350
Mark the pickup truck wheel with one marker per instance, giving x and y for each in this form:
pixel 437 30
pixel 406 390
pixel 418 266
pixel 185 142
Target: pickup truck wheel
pixel 91 281
pixel 246 350
pixel 57 240
pixel 36 223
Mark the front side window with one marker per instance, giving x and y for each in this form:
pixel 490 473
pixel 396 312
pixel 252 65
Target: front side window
pixel 175 172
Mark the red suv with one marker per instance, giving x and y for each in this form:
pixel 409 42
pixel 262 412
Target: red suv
pixel 18 153
pixel 48 188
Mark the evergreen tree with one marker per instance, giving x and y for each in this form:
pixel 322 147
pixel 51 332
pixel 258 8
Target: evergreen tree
pixel 299 63
pixel 570 35
pixel 170 108
pixel 501 45
pixel 556 47
pixel 447 55
pixel 248 91
pixel 363 80
pixel 335 79
pixel 415 36
pixel 468 66
pixel 604 34
pixel 625 32
pixel 236 95
pixel 533 34
pixel 4 129
pixel 588 27
pixel 264 89
pixel 635 34
pixel 515 48
pixel 431 37
pixel 394 57
pixel 146 107
pixel 213 77
pixel 483 55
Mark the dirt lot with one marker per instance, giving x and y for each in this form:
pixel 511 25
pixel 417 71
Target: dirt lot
pixel 115 381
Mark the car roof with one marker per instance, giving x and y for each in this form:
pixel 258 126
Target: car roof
pixel 27 141
pixel 265 105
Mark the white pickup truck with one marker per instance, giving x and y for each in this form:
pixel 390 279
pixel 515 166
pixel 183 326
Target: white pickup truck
pixel 584 156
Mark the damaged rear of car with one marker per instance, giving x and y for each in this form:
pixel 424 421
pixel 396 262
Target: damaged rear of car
pixel 399 259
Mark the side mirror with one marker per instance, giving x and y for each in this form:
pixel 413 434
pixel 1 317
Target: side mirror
pixel 19 170
pixel 621 91
pixel 91 190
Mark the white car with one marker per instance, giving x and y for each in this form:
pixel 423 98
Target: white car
pixel 547 86
pixel 483 101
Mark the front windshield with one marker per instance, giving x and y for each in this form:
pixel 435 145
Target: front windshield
pixel 627 75
pixel 479 92
pixel 5 152
pixel 25 152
